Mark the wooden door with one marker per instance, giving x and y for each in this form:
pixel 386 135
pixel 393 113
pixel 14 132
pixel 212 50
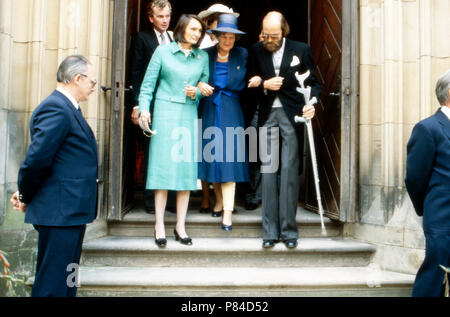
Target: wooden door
pixel 331 47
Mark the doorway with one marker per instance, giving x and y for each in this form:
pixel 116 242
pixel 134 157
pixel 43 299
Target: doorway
pixel 323 25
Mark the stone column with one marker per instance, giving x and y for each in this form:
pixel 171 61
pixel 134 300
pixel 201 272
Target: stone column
pixel 404 49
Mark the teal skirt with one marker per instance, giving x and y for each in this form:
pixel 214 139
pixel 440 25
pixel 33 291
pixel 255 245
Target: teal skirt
pixel 173 150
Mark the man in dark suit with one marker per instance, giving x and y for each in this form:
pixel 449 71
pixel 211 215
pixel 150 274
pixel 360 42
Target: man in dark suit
pixel 58 180
pixel 144 45
pixel 273 63
pixel 428 184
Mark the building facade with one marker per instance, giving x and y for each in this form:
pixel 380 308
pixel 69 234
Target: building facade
pixel 400 49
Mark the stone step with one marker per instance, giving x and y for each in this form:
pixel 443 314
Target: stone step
pixel 224 252
pixel 245 224
pixel 244 281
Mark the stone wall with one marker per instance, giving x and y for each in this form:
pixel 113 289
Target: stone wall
pixel 404 48
pixel 35 36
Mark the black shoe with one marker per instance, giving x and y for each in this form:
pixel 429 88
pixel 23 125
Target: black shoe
pixel 268 244
pixel 291 244
pixel 186 241
pixel 226 228
pixel 204 210
pixel 217 214
pixel 162 243
pixel 250 206
pixel 150 211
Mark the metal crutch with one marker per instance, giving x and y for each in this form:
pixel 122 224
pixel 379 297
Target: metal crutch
pixel 307 94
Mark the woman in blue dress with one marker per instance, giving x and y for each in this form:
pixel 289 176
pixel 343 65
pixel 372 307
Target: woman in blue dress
pixel 223 158
pixel 175 69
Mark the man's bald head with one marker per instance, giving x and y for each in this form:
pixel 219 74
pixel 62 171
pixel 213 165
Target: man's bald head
pixel 276 20
pixel 274 29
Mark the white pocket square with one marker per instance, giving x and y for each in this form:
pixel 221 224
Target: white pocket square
pixel 295 61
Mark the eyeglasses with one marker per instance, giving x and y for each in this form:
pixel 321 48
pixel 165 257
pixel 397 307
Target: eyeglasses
pixel 272 36
pixel 93 82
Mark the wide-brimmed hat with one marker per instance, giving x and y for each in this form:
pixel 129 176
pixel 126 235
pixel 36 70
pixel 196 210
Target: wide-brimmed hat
pixel 217 8
pixel 227 23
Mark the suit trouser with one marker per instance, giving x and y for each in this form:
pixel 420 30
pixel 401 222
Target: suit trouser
pixel 253 194
pixel 58 247
pixel 430 276
pixel 279 201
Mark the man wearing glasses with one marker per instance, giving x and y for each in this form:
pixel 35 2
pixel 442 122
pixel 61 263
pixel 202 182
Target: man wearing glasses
pixel 58 179
pixel 273 64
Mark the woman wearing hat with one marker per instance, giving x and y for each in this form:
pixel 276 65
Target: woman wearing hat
pixel 224 158
pixel 210 18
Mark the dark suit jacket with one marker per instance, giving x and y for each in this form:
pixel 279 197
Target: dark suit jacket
pixel 428 171
pixel 58 179
pixel 261 64
pixel 143 47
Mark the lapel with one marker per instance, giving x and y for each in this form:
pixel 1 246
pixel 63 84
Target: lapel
pixel 267 58
pixel 81 121
pixel 287 58
pixel 444 121
pixel 153 40
pixel 232 65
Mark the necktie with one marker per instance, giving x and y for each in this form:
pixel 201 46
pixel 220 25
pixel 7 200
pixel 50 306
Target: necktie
pixel 164 39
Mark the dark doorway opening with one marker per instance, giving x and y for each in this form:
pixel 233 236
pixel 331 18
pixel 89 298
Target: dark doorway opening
pixel 251 15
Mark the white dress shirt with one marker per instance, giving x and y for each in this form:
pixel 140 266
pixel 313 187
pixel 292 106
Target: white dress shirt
pixel 277 59
pixel 69 96
pixel 159 36
pixel 446 111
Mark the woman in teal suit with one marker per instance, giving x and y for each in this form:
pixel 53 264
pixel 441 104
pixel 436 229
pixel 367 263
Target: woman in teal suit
pixel 171 79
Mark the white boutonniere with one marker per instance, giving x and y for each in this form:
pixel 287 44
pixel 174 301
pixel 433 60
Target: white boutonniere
pixel 295 61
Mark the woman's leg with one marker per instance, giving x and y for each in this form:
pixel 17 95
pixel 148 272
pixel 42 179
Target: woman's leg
pixel 182 206
pixel 160 207
pixel 219 198
pixel 205 195
pixel 228 191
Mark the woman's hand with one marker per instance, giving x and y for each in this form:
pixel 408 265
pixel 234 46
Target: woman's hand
pixel 191 92
pixel 145 116
pixel 205 89
pixel 254 82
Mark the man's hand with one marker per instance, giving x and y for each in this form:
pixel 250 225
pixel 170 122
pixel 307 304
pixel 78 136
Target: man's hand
pixel 145 116
pixel 205 89
pixel 254 82
pixel 309 112
pixel 17 204
pixel 135 116
pixel 274 84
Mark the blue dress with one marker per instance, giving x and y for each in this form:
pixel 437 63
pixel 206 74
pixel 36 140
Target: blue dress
pixel 224 157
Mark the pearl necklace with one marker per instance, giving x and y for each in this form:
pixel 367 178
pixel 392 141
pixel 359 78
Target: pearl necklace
pixel 222 57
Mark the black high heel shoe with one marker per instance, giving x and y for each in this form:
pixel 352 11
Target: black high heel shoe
pixel 217 214
pixel 185 241
pixel 162 243
pixel 227 228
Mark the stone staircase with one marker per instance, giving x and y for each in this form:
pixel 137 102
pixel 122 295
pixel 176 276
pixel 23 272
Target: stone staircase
pixel 128 263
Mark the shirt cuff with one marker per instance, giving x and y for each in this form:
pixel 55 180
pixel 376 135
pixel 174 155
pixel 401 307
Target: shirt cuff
pixel 135 107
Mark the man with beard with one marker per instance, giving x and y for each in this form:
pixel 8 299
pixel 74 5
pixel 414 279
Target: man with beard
pixel 273 64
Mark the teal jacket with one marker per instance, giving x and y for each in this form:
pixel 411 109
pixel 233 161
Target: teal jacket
pixel 171 71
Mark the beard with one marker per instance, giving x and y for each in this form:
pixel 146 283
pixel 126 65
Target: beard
pixel 273 46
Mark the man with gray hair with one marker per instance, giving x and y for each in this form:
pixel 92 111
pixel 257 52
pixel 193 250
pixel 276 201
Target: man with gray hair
pixel 58 180
pixel 428 184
